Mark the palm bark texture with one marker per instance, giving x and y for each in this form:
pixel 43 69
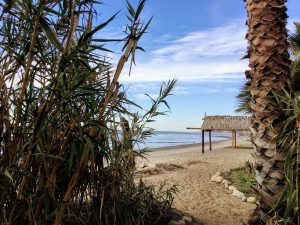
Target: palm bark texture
pixel 268 76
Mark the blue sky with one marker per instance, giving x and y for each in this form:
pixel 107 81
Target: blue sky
pixel 198 42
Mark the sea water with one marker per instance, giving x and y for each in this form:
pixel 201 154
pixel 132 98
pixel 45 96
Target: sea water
pixel 170 138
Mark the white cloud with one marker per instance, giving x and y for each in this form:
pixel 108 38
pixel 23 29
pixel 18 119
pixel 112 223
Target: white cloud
pixel 219 41
pixel 181 90
pixel 163 39
pixel 137 90
pixel 145 97
pixel 219 71
pixel 234 90
pixel 206 55
pixel 209 55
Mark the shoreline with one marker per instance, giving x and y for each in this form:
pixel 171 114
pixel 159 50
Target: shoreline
pixel 173 142
pixel 215 144
pixel 174 154
pixel 172 147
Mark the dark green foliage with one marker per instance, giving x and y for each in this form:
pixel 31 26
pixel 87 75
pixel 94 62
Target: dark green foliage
pixel 295 65
pixel 244 98
pixel 66 134
pixel 243 178
pixel 295 41
pixel 290 137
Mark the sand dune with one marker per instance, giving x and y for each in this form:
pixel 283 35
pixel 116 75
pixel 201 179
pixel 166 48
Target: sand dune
pixel 209 202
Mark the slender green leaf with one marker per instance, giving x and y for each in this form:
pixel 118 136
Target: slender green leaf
pixel 50 33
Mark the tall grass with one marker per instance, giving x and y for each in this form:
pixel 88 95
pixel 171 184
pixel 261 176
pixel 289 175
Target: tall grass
pixel 66 134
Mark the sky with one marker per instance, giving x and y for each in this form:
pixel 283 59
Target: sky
pixel 200 43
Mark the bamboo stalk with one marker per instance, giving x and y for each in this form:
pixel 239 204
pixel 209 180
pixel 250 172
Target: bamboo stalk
pixel 44 108
pixel 28 66
pixel 131 44
pixel 21 99
pixel 70 188
pixel 110 92
pixel 119 69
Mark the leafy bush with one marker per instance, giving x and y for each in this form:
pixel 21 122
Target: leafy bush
pixel 243 178
pixel 290 138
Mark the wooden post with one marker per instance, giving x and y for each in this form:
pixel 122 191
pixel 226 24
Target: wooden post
pixel 232 139
pixel 209 133
pixel 235 139
pixel 202 141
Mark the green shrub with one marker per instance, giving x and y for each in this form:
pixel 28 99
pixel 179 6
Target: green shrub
pixel 243 178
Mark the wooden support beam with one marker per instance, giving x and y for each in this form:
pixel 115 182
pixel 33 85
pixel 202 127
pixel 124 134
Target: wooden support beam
pixel 193 128
pixel 235 139
pixel 202 141
pixel 232 139
pixel 209 133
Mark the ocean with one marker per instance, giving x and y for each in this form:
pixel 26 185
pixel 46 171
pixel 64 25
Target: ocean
pixel 169 138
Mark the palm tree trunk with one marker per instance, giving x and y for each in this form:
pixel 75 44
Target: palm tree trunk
pixel 269 74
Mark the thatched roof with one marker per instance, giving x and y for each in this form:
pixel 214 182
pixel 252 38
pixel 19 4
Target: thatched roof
pixel 225 123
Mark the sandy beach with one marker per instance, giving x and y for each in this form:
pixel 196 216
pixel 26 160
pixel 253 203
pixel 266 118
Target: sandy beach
pixel 190 170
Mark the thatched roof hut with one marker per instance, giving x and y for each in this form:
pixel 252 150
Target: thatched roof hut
pixel 223 123
pixel 226 123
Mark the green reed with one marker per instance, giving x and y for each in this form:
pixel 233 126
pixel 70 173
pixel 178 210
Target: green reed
pixel 66 134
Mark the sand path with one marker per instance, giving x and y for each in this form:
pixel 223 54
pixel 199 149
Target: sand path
pixel 209 202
